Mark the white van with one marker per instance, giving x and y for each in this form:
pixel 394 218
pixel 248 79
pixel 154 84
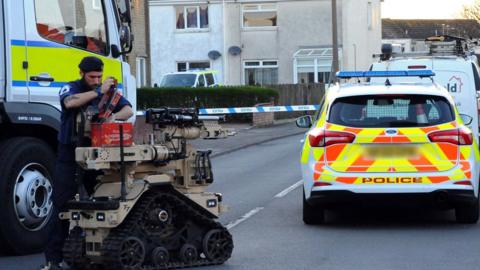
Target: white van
pixel 202 78
pixel 459 74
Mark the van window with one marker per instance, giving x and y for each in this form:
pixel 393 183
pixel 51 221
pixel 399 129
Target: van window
pixel 201 81
pixel 75 23
pixel 210 79
pixel 178 80
pixel 476 77
pixel 391 111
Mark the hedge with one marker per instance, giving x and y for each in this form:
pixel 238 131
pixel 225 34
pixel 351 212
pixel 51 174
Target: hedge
pixel 216 97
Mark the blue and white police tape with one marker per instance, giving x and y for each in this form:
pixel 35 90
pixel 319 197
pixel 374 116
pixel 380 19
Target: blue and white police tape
pixel 264 109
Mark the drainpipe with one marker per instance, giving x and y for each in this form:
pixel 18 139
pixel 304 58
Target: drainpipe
pixel 335 66
pixel 225 53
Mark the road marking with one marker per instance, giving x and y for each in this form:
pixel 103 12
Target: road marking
pixel 255 211
pixel 244 217
pixel 289 189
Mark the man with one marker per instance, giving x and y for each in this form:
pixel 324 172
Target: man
pixel 74 97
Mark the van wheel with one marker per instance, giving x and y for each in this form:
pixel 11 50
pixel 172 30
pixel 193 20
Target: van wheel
pixel 26 170
pixel 468 214
pixel 312 214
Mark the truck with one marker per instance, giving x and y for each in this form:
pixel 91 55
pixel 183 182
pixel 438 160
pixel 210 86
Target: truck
pixel 43 42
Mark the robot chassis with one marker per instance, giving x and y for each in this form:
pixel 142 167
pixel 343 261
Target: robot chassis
pixel 149 210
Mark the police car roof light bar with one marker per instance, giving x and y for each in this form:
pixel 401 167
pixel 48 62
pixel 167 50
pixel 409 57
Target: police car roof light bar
pixel 385 74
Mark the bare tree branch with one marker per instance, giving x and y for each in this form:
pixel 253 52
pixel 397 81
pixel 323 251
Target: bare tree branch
pixel 471 11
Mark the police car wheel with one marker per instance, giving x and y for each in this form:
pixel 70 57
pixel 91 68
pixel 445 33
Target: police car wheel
pixel 468 214
pixel 26 167
pixel 312 214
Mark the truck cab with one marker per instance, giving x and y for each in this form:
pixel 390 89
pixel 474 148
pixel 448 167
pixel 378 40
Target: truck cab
pixel 44 40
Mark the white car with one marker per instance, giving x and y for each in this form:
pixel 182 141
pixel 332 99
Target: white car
pixel 393 141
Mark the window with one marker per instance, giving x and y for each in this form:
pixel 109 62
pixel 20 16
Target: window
pixel 391 111
pixel 313 65
pixel 178 80
pixel 75 23
pixel 184 66
pixel 194 17
pixel 201 81
pixel 261 72
pixel 141 72
pixel 210 79
pixel 264 15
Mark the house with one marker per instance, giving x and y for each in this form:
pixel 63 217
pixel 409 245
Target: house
pixel 261 41
pixel 139 59
pixel 410 35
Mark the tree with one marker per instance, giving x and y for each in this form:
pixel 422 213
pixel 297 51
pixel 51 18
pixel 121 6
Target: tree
pixel 471 11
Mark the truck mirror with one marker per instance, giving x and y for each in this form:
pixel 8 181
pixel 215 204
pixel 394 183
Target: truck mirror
pixel 124 10
pixel 126 38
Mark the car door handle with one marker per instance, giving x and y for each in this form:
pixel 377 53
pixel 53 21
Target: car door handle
pixel 41 79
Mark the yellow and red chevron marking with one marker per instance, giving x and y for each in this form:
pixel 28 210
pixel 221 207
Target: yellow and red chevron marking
pixel 432 157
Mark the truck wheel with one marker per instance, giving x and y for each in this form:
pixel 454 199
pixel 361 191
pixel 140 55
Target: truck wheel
pixel 468 214
pixel 312 215
pixel 26 169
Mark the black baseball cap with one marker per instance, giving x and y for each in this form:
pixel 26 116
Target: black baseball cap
pixel 91 63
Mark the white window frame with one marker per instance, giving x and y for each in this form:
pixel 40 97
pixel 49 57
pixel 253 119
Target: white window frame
pixel 141 63
pixel 190 62
pixel 326 54
pixel 185 28
pixel 260 66
pixel 260 9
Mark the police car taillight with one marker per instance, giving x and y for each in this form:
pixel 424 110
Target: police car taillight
pixel 321 138
pixel 459 136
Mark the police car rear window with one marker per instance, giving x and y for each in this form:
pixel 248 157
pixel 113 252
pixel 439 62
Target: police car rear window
pixel 391 111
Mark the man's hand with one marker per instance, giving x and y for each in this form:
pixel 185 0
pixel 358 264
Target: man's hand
pixel 111 119
pixel 107 84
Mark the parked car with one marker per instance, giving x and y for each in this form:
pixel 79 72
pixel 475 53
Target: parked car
pixel 404 142
pixel 203 78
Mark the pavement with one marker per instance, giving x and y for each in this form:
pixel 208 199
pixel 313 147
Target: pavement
pixel 247 136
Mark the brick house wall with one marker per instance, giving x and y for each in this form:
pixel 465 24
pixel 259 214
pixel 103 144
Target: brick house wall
pixel 140 31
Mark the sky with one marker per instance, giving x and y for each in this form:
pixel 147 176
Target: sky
pixel 423 9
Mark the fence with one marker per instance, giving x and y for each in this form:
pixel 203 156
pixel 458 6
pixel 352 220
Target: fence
pixel 297 94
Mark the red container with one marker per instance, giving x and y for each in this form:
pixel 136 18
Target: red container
pixel 108 134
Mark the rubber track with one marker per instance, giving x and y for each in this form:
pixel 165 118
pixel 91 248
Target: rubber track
pixel 74 249
pixel 116 236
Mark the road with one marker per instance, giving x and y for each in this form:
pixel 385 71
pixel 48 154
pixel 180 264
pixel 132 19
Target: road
pixel 261 184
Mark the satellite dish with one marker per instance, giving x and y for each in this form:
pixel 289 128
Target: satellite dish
pixel 235 50
pixel 214 55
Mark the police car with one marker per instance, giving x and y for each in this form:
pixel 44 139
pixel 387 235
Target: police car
pixel 392 141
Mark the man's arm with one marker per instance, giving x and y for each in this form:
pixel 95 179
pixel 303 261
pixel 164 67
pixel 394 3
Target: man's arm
pixel 79 99
pixel 124 113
